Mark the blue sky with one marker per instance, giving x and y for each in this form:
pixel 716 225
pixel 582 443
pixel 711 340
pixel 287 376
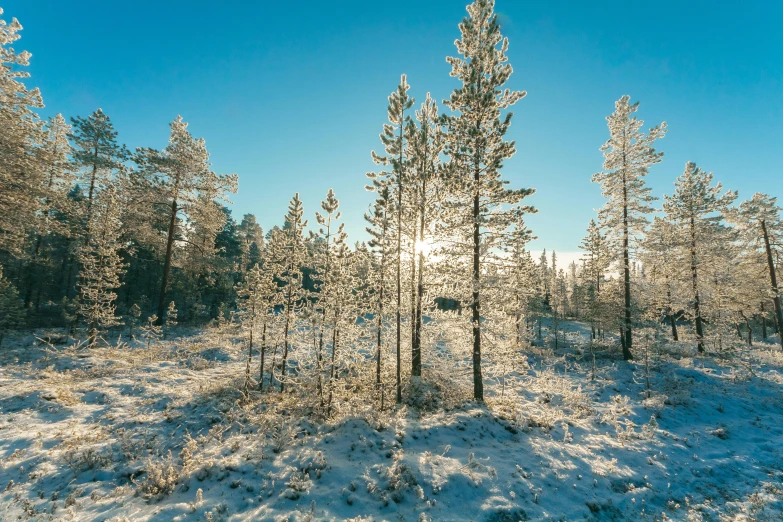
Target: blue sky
pixel 292 96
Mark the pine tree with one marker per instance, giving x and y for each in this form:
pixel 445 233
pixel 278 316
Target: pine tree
pixel 102 265
pixel 628 155
pixel 760 221
pixel 394 140
pixel 252 241
pixel 255 296
pixel 97 157
pixel 171 319
pixel 180 179
pixel 660 259
pixel 477 149
pixel 522 278
pixel 288 251
pixel 151 331
pixel 341 286
pixel 381 243
pixel 21 131
pixel 697 208
pixel 427 142
pixel 326 291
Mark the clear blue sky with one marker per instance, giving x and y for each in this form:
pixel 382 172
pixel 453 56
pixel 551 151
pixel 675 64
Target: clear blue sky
pixel 292 95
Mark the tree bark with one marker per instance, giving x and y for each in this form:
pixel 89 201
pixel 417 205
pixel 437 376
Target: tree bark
pixel 263 349
pixel 774 281
pixel 627 334
pixel 478 384
pixel 695 284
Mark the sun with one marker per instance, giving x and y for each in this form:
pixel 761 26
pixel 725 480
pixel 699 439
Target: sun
pixel 423 247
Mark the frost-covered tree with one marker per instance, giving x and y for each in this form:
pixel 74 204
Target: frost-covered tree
pixel 659 256
pixel 251 238
pixel 97 157
pixel 171 319
pixel 329 233
pixel 521 272
pixel 381 243
pixel 697 208
pixel 179 179
pixel 760 222
pixel 341 286
pixel 151 331
pixel 255 299
pixel 102 265
pixel 21 132
pixel 477 149
pixel 628 156
pixel 288 253
pixel 427 141
pixel 394 139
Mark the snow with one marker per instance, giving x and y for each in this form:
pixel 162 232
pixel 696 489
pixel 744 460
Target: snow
pixel 164 433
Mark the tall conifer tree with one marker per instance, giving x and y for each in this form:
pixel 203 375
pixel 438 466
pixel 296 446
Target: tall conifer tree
pixel 628 155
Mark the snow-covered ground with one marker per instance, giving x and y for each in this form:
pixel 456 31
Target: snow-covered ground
pixel 163 434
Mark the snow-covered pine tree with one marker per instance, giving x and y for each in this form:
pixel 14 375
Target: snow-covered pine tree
pixel 341 287
pixel 11 311
pixel 101 264
pixel 628 155
pixel 180 179
pixel 326 238
pixel 381 243
pixel 251 238
pixel 659 257
pixel 21 132
pixel 522 278
pixel 394 140
pixel 171 319
pixel 97 157
pixel 760 223
pixel 255 296
pixel 477 149
pixel 151 331
pixel 697 208
pixel 427 142
pixel 288 251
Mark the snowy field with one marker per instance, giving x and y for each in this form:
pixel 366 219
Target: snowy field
pixel 164 434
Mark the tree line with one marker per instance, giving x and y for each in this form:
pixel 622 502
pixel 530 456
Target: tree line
pixel 100 239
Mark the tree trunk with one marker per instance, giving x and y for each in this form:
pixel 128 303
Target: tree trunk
pixel 380 323
pixel 250 349
pixel 285 337
pixel 263 349
pixel 399 266
pixel 627 334
pixel 415 350
pixel 319 356
pixel 331 370
pixel 774 281
pixel 675 336
pixel 167 263
pixel 478 384
pixel 695 284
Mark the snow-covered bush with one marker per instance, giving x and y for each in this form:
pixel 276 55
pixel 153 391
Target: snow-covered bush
pixel 160 478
